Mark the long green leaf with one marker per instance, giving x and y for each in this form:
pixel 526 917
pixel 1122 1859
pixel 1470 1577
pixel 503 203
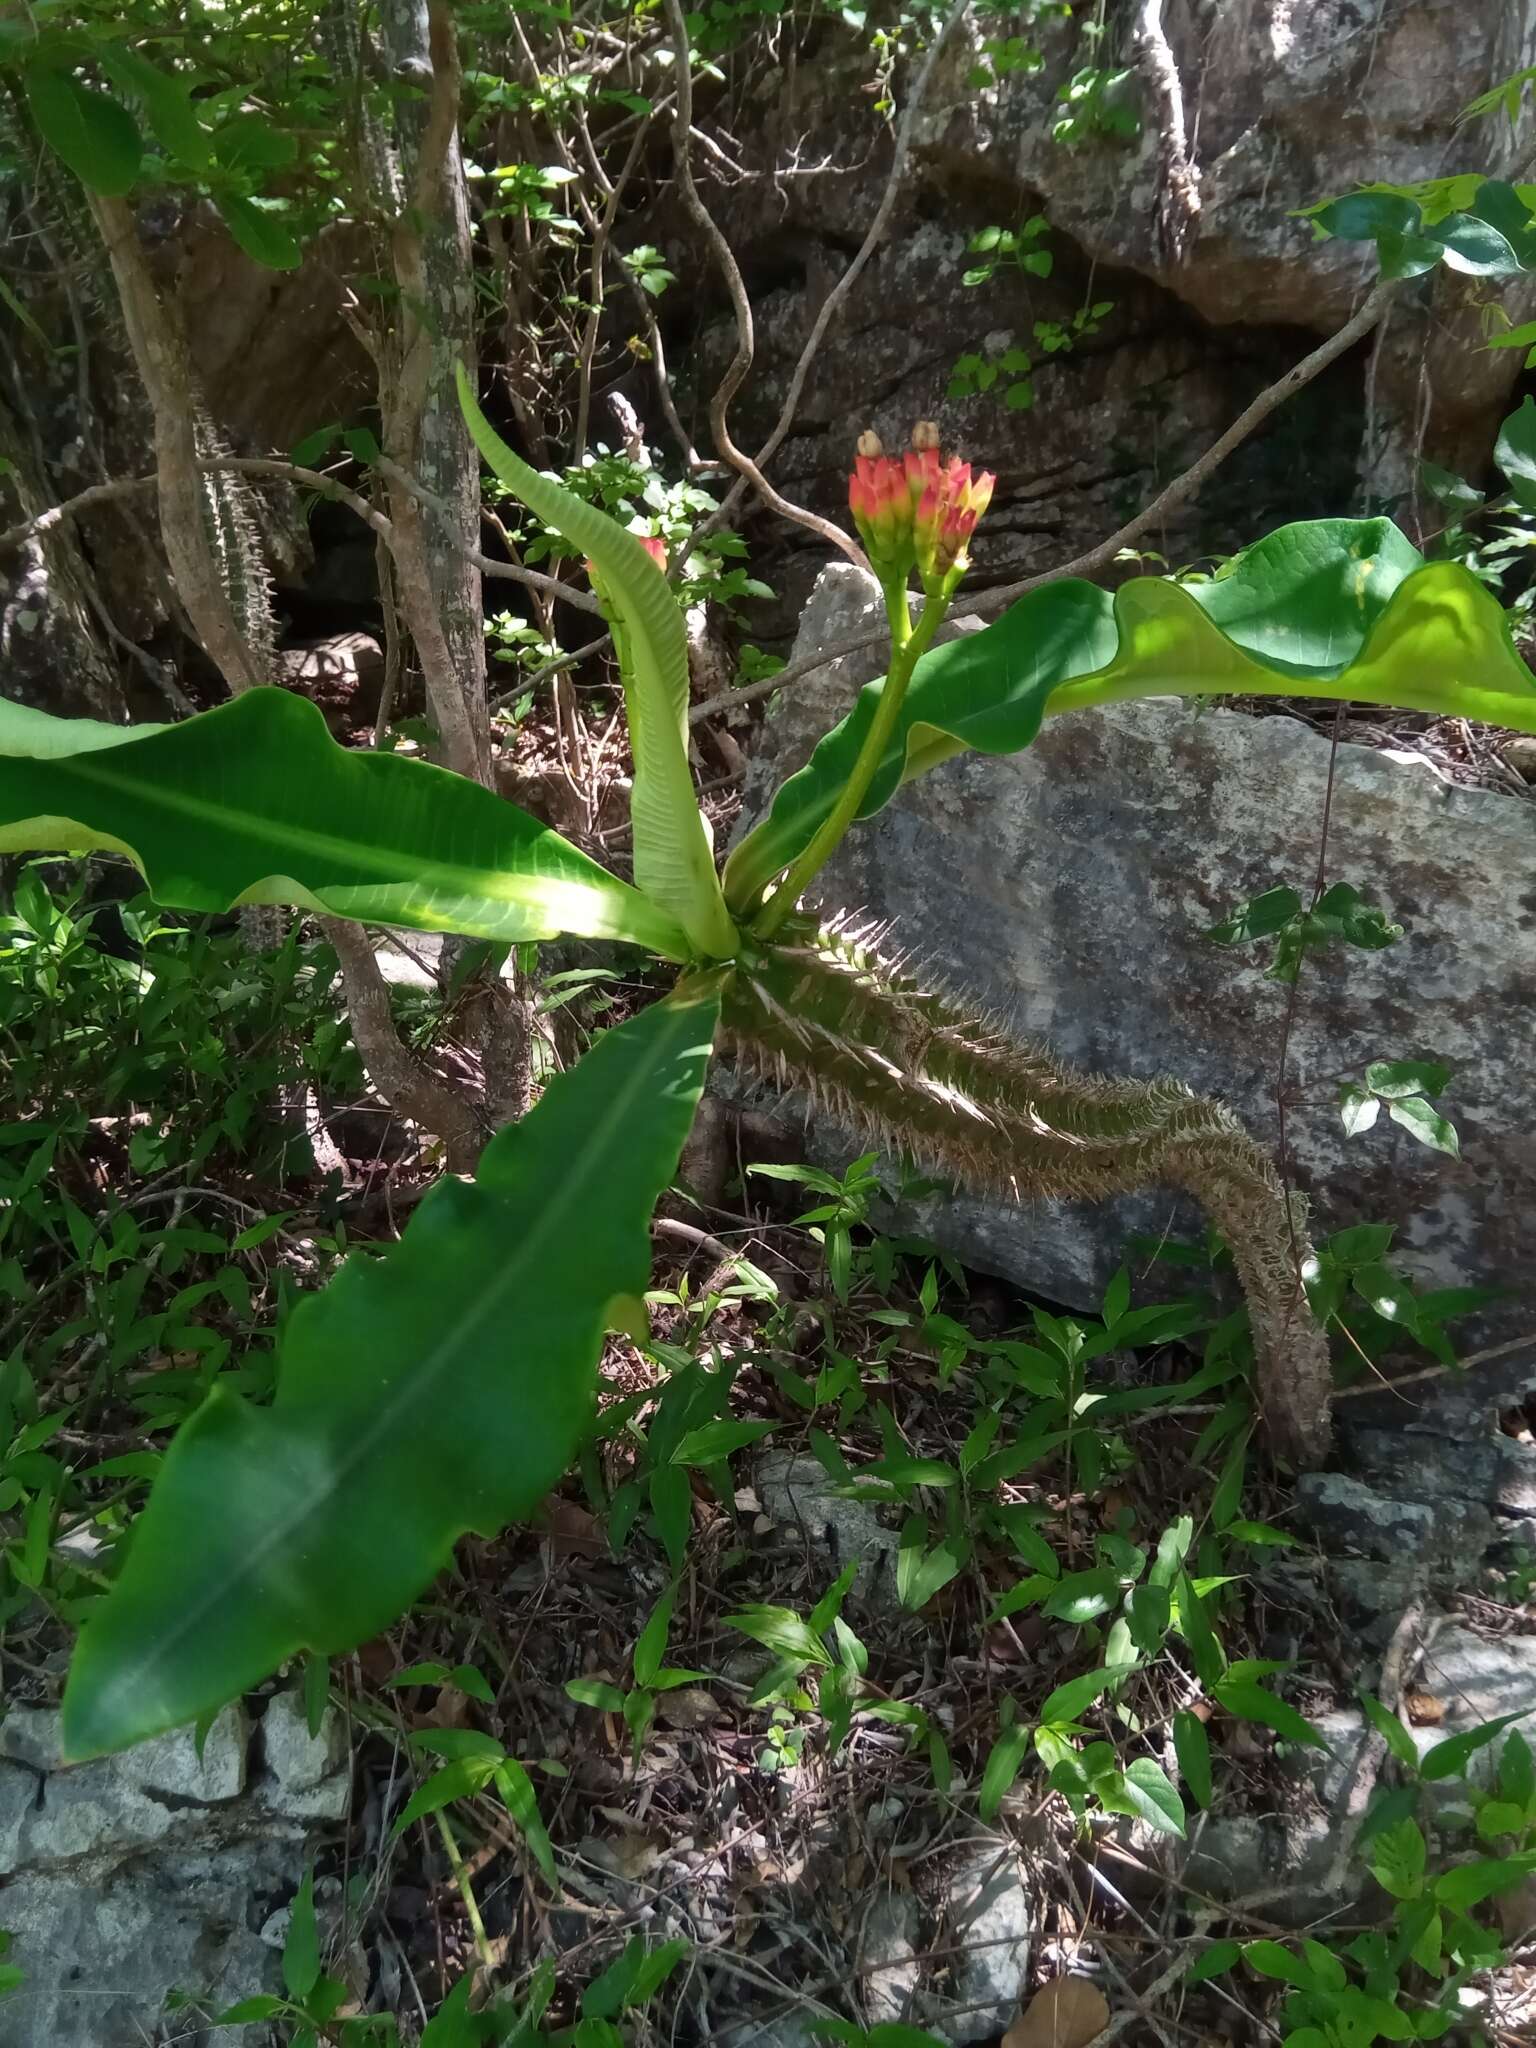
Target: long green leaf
pixel 1342 608
pixel 256 803
pixel 438 1389
pixel 98 139
pixel 674 862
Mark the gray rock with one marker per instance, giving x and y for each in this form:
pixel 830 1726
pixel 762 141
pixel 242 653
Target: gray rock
pixel 1479 1677
pixel 991 1920
pixel 102 1946
pixel 1293 103
pixel 1242 1853
pixel 135 1875
pixel 888 1962
pixel 306 1776
pixel 157 1790
pixel 1041 881
pixel 1345 1514
pixel 794 1489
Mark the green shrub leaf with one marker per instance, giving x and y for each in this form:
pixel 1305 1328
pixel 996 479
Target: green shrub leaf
pixel 263 235
pixel 98 139
pixel 1192 1747
pixel 1342 608
pixel 438 1389
pixel 256 803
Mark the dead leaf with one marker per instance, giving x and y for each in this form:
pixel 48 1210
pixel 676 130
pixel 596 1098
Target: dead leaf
pixel 1424 1710
pixel 1066 2013
pixel 572 1530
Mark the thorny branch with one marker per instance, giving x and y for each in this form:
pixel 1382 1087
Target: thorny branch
pixel 309 479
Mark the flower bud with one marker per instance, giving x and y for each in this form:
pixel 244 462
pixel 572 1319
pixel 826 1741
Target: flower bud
pixel 870 444
pixel 925 435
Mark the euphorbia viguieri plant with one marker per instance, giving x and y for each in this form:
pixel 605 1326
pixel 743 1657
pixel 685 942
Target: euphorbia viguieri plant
pixel 444 1386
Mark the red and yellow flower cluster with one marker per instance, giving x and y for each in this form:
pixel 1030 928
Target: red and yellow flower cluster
pixel 919 508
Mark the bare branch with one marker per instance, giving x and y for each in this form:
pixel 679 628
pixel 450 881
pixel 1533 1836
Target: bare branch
pixel 410 1088
pixel 263 466
pixel 1167 500
pixel 832 303
pixel 741 306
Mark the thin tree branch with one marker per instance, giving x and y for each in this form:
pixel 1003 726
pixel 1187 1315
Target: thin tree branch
pixel 311 479
pixel 409 1087
pixel 741 306
pixel 833 302
pixel 600 237
pixel 1167 500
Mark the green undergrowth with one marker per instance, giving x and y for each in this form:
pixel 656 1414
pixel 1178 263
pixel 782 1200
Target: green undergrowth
pixel 1072 1515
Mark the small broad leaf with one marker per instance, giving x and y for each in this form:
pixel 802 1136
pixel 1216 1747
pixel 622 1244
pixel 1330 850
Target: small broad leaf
pixel 1083 1596
pixel 1259 918
pixel 920 1571
pixel 521 1802
pixel 87 129
pixel 596 1692
pixel 1469 1884
pixel 1148 1789
pixel 166 100
pixel 458 1780
pixel 1078 1694
pixel 1002 1767
pixel 1515 453
pixel 301 1950
pixel 261 233
pixel 1397 1738
pixel 249 2010
pixel 1270 1959
pixel 1421 1120
pixel 1358 1108
pixel 1395 1079
pixel 674 863
pixel 672 1505
pixel 1249 1701
pixel 717 1440
pixel 652 1644
pixel 440 1388
pixel 781 1630
pixel 1213 1962
pixel 1192 1747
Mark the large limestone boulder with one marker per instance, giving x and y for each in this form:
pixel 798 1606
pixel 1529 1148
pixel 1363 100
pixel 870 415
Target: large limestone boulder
pixel 1071 887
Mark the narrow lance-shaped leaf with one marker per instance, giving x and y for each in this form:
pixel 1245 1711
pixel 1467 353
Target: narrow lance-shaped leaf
pixel 1340 608
pixel 674 862
pixel 438 1389
pixel 256 803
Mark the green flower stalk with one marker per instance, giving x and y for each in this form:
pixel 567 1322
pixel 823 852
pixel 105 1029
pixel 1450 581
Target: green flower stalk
pixel 917 511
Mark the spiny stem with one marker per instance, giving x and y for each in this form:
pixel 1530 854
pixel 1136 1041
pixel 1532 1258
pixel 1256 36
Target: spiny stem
pixel 911 644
